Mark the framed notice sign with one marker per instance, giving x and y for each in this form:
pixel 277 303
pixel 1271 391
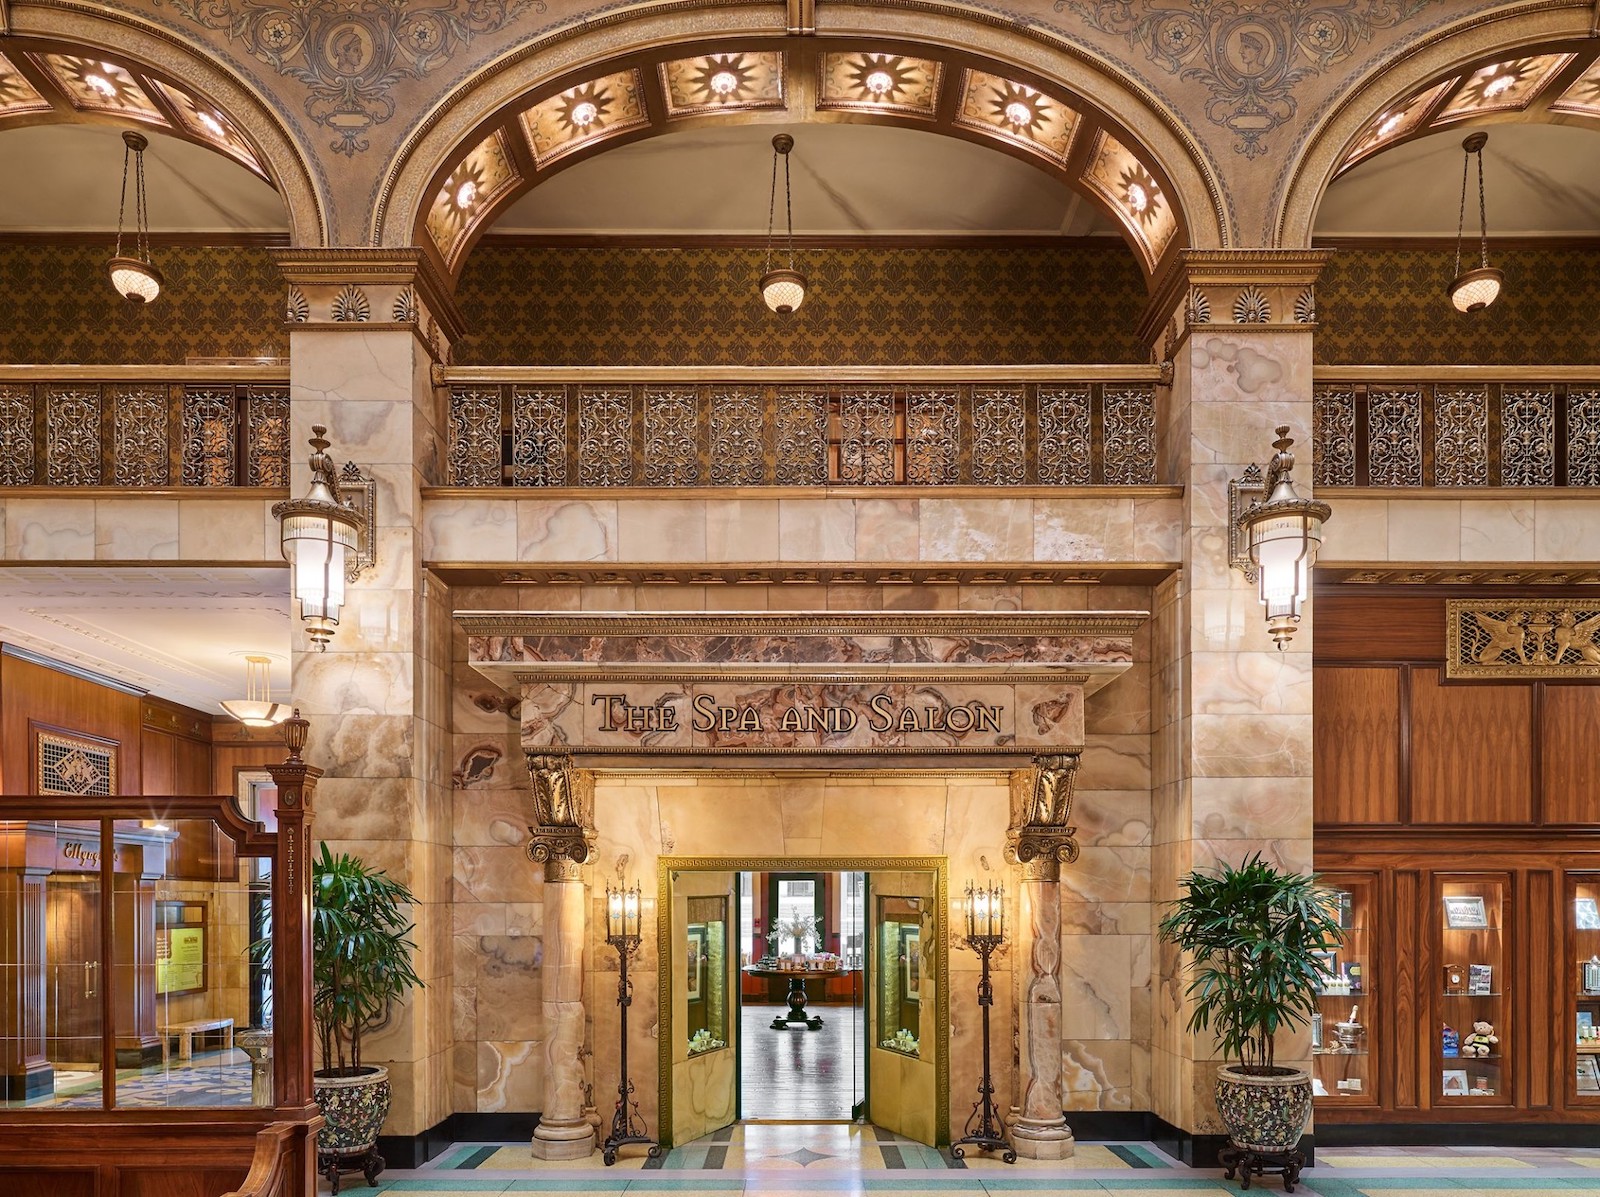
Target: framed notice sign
pixel 180 948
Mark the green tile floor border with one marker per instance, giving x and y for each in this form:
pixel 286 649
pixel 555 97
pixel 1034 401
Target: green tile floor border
pixel 1344 1186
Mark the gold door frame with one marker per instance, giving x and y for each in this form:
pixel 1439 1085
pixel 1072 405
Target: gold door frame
pixel 667 865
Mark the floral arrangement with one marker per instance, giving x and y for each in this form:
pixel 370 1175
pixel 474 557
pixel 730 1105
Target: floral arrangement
pixel 903 1041
pixel 799 928
pixel 701 1041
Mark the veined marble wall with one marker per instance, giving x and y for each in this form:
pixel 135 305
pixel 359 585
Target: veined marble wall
pixel 498 894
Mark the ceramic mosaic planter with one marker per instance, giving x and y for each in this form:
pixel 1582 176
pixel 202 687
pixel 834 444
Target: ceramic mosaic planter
pixel 1264 1113
pixel 355 1107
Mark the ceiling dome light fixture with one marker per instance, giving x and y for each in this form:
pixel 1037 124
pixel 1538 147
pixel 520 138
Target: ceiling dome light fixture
pixel 724 83
pixel 135 278
pixel 783 289
pixel 880 83
pixel 256 708
pixel 1475 289
pixel 584 114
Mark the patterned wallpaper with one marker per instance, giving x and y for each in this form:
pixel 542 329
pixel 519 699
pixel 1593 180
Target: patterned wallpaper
pixel 57 305
pixel 878 306
pixel 959 304
pixel 1388 307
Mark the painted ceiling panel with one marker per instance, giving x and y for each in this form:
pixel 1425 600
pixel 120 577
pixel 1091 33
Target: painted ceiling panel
pixel 872 82
pixel 713 83
pixel 17 95
pixel 1017 114
pixel 586 114
pixel 100 87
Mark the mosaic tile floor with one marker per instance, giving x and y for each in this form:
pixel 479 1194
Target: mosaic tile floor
pixel 854 1161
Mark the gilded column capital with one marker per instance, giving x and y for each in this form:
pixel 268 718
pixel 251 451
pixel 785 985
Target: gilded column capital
pixel 563 837
pixel 1218 288
pixel 1040 839
pixel 363 290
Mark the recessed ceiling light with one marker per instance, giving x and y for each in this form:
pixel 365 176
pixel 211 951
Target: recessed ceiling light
pixel 1019 114
pixel 880 83
pixel 724 83
pixel 584 114
pixel 465 194
pixel 1498 86
pixel 100 84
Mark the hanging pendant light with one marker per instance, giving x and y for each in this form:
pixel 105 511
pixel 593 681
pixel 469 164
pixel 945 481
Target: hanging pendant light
pixel 135 278
pixel 784 289
pixel 1475 289
pixel 256 708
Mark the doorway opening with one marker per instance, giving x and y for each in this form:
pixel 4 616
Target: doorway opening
pixel 804 990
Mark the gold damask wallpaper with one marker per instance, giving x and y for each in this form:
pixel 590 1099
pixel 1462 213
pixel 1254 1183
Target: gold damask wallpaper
pixel 972 304
pixel 1388 307
pixel 57 306
pixel 882 306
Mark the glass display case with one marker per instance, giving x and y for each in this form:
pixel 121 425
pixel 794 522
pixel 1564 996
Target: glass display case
pixel 707 1022
pixel 899 974
pixel 1471 1024
pixel 1344 1029
pixel 1583 984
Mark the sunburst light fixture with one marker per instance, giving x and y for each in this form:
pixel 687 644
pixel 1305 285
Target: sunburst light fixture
pixel 1475 289
pixel 134 276
pixel 783 289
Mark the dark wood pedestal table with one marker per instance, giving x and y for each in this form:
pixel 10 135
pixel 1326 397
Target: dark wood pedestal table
pixel 797 993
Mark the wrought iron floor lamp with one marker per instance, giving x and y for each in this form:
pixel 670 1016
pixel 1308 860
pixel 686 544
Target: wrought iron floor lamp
pixel 622 933
pixel 986 931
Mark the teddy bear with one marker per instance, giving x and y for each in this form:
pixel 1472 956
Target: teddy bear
pixel 1481 1042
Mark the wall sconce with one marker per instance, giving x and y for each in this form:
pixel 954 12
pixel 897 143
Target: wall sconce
pixel 256 708
pixel 328 538
pixel 622 916
pixel 1274 541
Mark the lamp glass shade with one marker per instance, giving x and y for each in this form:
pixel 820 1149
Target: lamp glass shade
pixel 1474 290
pixel 316 547
pixel 256 708
pixel 135 280
pixel 1284 547
pixel 783 290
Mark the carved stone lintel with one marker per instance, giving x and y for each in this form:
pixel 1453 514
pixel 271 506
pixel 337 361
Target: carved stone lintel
pixel 563 838
pixel 1040 839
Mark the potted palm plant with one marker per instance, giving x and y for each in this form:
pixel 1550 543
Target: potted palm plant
pixel 1253 934
pixel 360 964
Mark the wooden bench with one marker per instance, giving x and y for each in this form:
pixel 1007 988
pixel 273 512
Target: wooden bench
pixel 185 1032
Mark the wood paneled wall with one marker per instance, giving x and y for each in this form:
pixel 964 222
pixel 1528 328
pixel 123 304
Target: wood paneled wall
pixel 36 694
pixel 1398 744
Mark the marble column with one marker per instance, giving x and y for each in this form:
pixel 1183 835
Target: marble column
pixel 562 841
pixel 366 328
pixel 1041 841
pixel 1231 764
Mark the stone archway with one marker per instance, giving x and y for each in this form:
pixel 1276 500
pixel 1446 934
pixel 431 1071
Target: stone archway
pixel 790 696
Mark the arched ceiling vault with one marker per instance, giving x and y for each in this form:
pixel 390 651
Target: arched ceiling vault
pixel 69 66
pixel 788 83
pixel 1527 67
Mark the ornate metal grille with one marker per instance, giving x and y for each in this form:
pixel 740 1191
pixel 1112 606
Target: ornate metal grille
pixel 139 439
pixel 711 434
pixel 866 438
pixel 605 438
pixel 70 765
pixel 1583 438
pixel 933 438
pixel 1129 455
pixel 1334 422
pixel 1460 438
pixel 1066 439
pixel 802 438
pixel 16 436
pixel 266 446
pixel 738 454
pixel 539 436
pixel 1394 445
pixel 1528 438
pixel 671 446
pixel 72 437
pixel 475 437
pixel 999 438
pixel 210 437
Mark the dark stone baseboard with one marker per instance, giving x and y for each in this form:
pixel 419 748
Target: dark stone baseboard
pixel 26 1086
pixel 1458 1134
pixel 413 1151
pixel 1197 1151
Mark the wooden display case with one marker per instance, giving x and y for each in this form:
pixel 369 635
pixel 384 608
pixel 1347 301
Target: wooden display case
pixel 1583 978
pixel 1344 1031
pixel 1472 917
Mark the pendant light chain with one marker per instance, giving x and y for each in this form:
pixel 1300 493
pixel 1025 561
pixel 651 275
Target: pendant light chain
pixel 1483 216
pixel 122 201
pixel 1461 218
pixel 142 210
pixel 772 203
pixel 788 209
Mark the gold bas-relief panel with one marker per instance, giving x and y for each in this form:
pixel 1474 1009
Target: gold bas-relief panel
pixel 710 83
pixel 100 87
pixel 584 115
pixel 1522 638
pixel 210 123
pixel 482 177
pixel 877 82
pixel 1133 193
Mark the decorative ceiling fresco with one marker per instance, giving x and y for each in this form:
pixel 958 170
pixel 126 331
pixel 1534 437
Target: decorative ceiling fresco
pixel 1064 136
pixel 1559 82
pixel 712 83
pixel 77 87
